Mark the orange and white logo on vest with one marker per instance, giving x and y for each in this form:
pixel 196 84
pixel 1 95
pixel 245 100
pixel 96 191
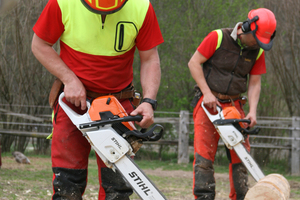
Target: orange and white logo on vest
pixel 105 4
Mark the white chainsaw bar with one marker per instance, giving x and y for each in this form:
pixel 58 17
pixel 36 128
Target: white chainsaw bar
pixel 115 152
pixel 233 138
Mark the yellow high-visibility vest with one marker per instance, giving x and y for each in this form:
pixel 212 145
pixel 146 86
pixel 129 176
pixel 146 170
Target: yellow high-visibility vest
pixel 84 31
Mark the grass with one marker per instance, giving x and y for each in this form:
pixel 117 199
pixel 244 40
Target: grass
pixel 28 181
pixel 174 180
pixel 171 165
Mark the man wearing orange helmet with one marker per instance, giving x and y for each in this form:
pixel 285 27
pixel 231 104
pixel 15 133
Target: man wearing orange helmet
pixel 228 56
pixel 98 39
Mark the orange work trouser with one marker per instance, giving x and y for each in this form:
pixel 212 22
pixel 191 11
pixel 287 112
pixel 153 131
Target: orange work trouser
pixel 205 147
pixel 70 153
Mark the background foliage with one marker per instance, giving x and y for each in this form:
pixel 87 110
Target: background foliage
pixel 183 24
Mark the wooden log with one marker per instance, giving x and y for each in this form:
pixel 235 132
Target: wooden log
pixel 271 187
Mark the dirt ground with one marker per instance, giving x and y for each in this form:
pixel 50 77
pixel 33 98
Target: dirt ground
pixel 175 185
pixel 222 183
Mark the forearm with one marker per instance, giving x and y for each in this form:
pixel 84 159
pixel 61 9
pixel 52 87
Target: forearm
pixel 73 88
pixel 49 58
pixel 150 80
pixel 150 76
pixel 198 75
pixel 197 72
pixel 254 89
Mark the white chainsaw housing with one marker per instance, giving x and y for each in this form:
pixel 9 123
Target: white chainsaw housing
pixel 115 152
pixel 108 144
pixel 233 138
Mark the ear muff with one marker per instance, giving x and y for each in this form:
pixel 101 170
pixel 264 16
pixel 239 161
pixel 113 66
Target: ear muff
pixel 246 24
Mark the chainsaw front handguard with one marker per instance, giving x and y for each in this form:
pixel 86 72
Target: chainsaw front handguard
pixel 235 123
pixel 150 135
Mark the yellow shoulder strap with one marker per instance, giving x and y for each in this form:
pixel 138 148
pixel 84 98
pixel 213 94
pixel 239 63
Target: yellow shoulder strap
pixel 220 37
pixel 259 53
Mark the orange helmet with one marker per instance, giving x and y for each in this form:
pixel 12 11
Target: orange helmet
pixel 104 7
pixel 262 24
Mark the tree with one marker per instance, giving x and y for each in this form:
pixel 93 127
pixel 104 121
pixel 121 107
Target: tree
pixel 184 24
pixel 23 80
pixel 284 56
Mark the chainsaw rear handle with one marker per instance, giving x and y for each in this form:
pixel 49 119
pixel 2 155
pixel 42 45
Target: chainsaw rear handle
pixel 74 117
pixel 212 117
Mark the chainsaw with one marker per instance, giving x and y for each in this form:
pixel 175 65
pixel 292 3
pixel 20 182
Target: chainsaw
pixel 113 136
pixel 231 129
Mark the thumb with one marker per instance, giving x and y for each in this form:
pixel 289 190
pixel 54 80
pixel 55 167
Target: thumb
pixel 133 113
pixel 247 116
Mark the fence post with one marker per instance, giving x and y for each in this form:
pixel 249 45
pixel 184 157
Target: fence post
pixel 295 162
pixel 183 137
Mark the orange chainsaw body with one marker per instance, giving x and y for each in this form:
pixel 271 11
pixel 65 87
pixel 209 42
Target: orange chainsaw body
pixel 111 104
pixel 232 113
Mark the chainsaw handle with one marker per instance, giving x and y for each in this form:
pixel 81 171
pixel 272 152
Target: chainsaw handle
pixel 212 117
pixel 74 117
pixel 230 121
pixel 235 123
pixel 147 135
pixel 154 136
pixel 137 118
pixel 254 131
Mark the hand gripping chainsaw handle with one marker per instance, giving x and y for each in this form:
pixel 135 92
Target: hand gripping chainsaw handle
pixel 85 122
pixel 219 119
pixel 74 117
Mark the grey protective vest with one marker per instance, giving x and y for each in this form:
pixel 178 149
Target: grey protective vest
pixel 226 72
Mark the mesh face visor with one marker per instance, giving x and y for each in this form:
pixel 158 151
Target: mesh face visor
pixel 264 46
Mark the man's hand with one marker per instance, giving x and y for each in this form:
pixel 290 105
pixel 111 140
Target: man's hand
pixel 252 118
pixel 211 101
pixel 75 93
pixel 146 110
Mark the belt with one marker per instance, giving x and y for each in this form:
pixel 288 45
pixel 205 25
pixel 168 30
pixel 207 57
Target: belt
pixel 226 96
pixel 127 93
